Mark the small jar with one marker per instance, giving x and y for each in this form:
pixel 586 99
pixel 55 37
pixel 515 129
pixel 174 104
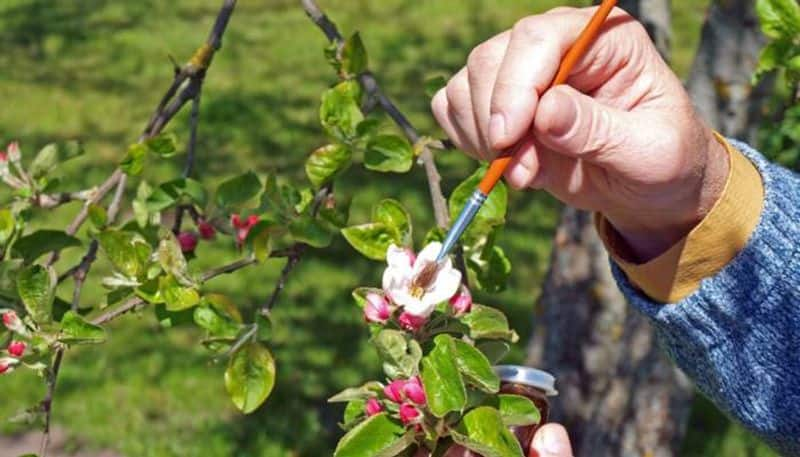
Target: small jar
pixel 534 384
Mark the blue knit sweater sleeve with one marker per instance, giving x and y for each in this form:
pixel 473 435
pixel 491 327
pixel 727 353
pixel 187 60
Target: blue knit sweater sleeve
pixel 738 336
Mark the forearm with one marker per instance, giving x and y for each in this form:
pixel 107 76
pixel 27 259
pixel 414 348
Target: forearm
pixel 737 335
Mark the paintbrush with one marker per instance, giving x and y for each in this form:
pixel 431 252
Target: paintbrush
pixel 500 164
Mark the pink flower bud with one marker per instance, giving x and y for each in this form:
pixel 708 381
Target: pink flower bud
pixel 7 364
pixel 414 391
pixel 12 321
pixel 411 322
pixel 17 348
pixel 461 302
pixel 3 155
pixel 207 231
pixel 373 407
pixel 394 391
pixel 243 227
pixel 408 413
pixel 188 241
pixel 12 152
pixel 377 309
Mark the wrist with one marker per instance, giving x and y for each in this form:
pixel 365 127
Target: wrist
pixel 647 234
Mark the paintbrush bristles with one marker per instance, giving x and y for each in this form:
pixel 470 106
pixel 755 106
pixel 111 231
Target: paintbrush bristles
pixel 426 276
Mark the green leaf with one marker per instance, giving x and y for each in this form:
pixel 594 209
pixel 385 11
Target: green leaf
pixel 260 240
pixel 133 162
pixel 493 211
pixel 9 269
pixel 371 240
pixel 492 269
pixel 36 286
pixel 98 216
pixel 490 323
pixel 779 18
pixel 353 412
pixel 773 55
pixel 354 56
pixel 442 379
pixel 164 145
pixel 128 253
pixel 50 156
pixel 340 112
pixel 182 190
pixel 389 153
pixel 378 436
pixel 393 214
pixel 76 330
pixel 32 246
pixel 215 323
pixel 326 162
pixel 475 367
pixel 482 430
pixel 517 410
pixel 434 84
pixel 177 297
pixel 368 390
pixel 310 231
pixel 399 353
pixel 250 376
pixel 238 190
pixel 7 225
pixel 172 260
pixel 494 350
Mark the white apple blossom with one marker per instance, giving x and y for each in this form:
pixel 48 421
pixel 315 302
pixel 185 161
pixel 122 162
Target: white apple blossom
pixel 418 294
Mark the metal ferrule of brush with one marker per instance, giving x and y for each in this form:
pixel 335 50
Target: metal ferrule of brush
pixel 461 223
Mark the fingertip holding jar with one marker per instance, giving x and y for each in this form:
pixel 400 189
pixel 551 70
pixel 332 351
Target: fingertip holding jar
pixel 536 385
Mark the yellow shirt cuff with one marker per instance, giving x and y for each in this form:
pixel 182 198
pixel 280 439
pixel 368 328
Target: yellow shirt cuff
pixel 713 243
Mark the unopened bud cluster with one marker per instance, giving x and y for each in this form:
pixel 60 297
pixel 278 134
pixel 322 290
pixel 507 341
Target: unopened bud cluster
pixel 409 398
pixel 16 348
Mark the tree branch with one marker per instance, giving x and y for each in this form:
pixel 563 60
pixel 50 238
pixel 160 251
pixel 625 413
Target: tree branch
pixel 194 70
pixel 371 86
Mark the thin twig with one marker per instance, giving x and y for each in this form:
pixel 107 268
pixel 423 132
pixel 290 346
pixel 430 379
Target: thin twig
pixel 47 403
pixel 193 121
pixel 371 86
pixel 81 272
pixel 226 269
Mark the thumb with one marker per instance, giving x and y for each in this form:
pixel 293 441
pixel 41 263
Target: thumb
pixel 551 440
pixel 576 125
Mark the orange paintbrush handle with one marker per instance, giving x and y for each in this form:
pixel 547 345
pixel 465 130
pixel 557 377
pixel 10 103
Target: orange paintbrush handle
pixel 587 36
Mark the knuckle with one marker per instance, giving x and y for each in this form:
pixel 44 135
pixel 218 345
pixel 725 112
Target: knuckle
pixel 482 56
pixel 457 91
pixel 529 27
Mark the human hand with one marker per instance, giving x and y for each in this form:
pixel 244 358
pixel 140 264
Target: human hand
pixel 621 137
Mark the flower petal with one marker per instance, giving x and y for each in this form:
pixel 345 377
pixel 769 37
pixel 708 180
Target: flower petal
pixel 444 286
pixel 398 257
pixel 411 305
pixel 395 278
pixel 427 255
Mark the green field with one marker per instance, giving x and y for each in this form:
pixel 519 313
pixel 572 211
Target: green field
pixel 94 69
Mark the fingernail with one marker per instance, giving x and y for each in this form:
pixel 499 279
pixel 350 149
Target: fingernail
pixel 497 128
pixel 550 443
pixel 553 442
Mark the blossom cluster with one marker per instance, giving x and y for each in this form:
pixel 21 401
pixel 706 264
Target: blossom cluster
pixel 406 395
pixel 16 348
pixel 188 240
pixel 413 285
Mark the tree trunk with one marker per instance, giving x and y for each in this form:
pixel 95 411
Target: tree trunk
pixel 619 395
pixel 719 81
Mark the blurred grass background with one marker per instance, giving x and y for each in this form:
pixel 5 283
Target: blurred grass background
pixel 94 69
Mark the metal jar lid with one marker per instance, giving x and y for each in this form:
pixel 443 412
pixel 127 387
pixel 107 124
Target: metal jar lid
pixel 539 379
